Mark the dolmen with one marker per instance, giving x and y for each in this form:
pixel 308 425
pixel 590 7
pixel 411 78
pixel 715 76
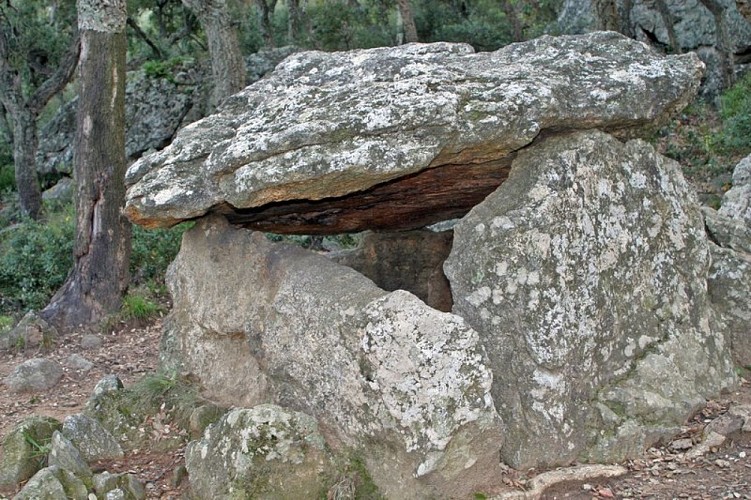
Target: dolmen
pixel 578 325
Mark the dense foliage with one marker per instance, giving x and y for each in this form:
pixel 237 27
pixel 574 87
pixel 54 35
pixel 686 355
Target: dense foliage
pixel 164 36
pixel 35 257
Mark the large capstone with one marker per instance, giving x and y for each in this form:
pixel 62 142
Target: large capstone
pixel 398 137
pixel 585 274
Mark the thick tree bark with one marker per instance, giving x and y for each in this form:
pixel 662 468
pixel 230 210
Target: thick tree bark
pixel 23 113
pixel 227 65
pixel 99 278
pixel 410 30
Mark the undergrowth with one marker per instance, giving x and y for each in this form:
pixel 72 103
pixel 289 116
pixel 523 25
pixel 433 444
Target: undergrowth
pixel 708 142
pixel 36 257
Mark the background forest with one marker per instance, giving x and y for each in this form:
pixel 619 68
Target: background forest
pixel 165 37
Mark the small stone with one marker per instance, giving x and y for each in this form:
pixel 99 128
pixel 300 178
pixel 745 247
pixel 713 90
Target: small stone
pixel 89 342
pixel 78 362
pixel 92 496
pixel 31 331
pixel 713 440
pixel 742 454
pixel 725 424
pixel 587 487
pixel 722 463
pixel 682 444
pixel 110 383
pixel 34 375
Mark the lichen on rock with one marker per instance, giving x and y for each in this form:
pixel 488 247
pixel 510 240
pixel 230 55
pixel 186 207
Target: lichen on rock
pixel 585 275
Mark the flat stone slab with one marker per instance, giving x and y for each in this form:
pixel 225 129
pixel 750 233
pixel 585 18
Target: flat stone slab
pixel 398 137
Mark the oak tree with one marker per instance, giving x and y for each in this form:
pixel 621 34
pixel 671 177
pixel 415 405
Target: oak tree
pixel 99 278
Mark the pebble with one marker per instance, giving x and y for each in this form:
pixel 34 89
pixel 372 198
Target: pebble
pixel 722 463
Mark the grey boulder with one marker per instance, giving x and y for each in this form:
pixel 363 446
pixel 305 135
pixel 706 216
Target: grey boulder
pixel 90 438
pixel 34 375
pixel 262 452
pixel 585 275
pixel 304 332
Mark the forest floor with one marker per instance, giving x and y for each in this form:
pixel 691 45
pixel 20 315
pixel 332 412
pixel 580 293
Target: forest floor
pixel 132 352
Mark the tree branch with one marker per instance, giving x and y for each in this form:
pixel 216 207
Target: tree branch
pixel 59 79
pixel 143 36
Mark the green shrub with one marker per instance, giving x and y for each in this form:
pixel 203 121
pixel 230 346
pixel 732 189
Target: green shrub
pixel 35 259
pixel 736 117
pixel 165 69
pixel 153 250
pixel 7 178
pixel 137 305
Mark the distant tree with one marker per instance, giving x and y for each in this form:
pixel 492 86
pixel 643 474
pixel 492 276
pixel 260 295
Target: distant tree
pixel 294 22
pixel 265 12
pixel 34 66
pixel 227 64
pixel 99 278
pixel 408 20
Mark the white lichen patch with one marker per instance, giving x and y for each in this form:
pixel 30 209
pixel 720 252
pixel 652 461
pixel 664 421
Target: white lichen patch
pixel 430 370
pixel 597 256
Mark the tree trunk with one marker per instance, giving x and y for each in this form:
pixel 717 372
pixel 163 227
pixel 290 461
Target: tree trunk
pixel 294 24
pixel 511 10
pixel 25 144
pixel 23 115
pixel 266 10
pixel 410 30
pixel 99 278
pixel 227 64
pixel 722 41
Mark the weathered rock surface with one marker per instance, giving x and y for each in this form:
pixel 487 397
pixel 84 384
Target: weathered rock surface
pixel 20 459
pixel 62 192
pixel 53 482
pixel 397 138
pixel 31 331
pixel 585 275
pixel 404 260
pixel 736 203
pixel 66 456
pixel 693 27
pixel 34 375
pixel 729 281
pixel 304 332
pixel 92 440
pixel 119 485
pixel 262 452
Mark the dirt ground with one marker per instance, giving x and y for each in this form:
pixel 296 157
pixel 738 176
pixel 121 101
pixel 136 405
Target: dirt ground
pixel 663 473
